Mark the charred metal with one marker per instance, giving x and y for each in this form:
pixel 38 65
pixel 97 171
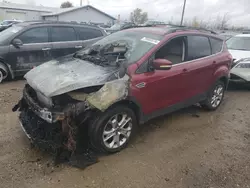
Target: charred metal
pixel 62 118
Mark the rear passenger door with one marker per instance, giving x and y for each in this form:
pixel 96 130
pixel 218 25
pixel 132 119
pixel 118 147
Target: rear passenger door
pixel 64 41
pixel 88 35
pixel 199 67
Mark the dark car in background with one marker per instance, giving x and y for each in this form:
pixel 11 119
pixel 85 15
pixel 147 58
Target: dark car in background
pixel 8 23
pixel 119 26
pixel 29 44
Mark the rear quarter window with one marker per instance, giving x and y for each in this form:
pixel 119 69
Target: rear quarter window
pixel 88 33
pixel 216 45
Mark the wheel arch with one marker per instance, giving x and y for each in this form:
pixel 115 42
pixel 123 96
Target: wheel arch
pixel 6 67
pixel 132 104
pixel 225 80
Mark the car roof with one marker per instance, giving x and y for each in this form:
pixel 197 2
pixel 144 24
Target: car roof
pixel 31 23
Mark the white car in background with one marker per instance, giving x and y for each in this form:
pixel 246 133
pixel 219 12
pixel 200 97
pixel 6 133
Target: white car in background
pixel 239 47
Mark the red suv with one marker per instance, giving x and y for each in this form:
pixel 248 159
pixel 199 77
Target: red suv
pixel 104 91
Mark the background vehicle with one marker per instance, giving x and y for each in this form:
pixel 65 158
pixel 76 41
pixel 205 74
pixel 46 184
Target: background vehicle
pixel 153 23
pixel 7 23
pixel 119 26
pixel 26 45
pixel 239 47
pixel 125 79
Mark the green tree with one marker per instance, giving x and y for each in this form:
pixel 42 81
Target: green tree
pixel 66 4
pixel 138 16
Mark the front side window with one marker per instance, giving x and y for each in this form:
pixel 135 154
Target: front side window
pixel 60 34
pixel 216 45
pixel 198 47
pixel 35 35
pixel 239 43
pixel 172 51
pixel 88 33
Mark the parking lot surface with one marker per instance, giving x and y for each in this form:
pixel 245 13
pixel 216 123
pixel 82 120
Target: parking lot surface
pixel 189 148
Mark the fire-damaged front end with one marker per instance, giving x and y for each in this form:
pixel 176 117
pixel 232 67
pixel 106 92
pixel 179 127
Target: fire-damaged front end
pixel 62 96
pixel 85 90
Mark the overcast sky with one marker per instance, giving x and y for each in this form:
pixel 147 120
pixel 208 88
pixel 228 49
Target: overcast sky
pixel 166 9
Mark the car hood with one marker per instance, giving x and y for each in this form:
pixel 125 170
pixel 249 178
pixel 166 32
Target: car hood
pixel 67 74
pixel 239 54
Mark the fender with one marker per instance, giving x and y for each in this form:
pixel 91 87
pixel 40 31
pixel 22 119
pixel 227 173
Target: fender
pixel 221 72
pixel 7 68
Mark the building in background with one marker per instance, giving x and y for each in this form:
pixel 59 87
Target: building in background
pixel 88 13
pixel 11 11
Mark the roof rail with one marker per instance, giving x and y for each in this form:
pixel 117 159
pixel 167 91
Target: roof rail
pixel 182 28
pixel 58 22
pixel 173 28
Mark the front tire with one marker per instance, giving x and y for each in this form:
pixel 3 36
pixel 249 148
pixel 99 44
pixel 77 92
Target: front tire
pixel 215 96
pixel 3 75
pixel 112 130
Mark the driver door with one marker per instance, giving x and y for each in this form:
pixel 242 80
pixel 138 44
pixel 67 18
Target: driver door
pixel 35 50
pixel 157 90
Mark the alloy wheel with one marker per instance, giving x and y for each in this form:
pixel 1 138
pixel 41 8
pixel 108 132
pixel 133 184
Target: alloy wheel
pixel 217 96
pixel 117 131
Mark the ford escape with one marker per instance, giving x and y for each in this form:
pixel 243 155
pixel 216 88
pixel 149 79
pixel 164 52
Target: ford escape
pixel 121 81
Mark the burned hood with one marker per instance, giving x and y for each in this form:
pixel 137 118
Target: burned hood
pixel 67 74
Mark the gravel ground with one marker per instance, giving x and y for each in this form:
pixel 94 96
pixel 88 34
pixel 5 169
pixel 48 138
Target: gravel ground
pixel 189 148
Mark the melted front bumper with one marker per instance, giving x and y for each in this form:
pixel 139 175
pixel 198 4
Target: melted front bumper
pixel 48 115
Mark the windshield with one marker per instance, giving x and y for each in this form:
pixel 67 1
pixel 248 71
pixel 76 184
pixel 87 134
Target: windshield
pixel 5 34
pixel 126 45
pixel 239 43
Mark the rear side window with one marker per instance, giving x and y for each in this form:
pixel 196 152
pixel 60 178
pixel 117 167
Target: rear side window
pixel 88 33
pixel 198 47
pixel 35 35
pixel 60 34
pixel 216 45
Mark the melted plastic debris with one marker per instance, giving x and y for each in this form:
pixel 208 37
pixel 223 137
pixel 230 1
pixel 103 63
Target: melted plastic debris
pixel 50 138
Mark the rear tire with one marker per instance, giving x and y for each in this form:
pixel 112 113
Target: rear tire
pixel 215 96
pixel 112 130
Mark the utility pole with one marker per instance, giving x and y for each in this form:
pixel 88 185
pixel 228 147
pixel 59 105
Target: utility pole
pixel 183 11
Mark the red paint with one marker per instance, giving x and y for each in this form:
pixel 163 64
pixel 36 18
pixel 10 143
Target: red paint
pixel 167 87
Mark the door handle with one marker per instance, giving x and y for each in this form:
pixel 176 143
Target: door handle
pixel 78 46
pixel 46 49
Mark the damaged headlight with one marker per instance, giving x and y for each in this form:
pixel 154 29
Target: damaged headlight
pixel 243 63
pixel 44 100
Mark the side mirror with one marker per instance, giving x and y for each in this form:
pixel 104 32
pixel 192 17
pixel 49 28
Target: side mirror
pixel 162 64
pixel 17 43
